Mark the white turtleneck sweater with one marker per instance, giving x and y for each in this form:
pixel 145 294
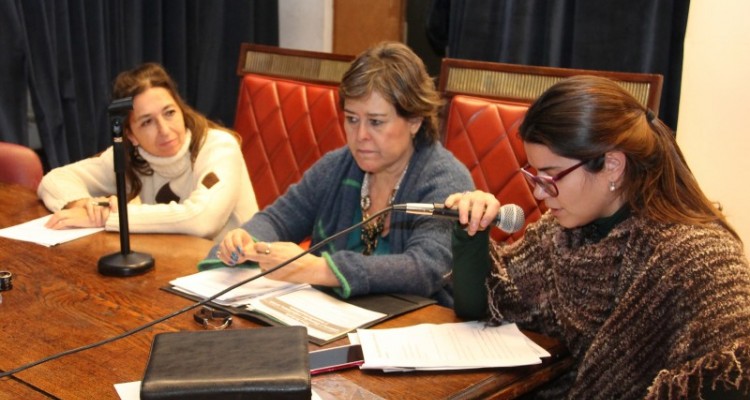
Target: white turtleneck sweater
pixel 202 204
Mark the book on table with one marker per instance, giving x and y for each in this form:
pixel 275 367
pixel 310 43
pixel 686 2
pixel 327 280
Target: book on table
pixel 326 316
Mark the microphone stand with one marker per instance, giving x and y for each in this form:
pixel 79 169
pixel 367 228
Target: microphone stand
pixel 126 262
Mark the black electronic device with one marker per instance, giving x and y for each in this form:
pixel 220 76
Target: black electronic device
pixel 336 358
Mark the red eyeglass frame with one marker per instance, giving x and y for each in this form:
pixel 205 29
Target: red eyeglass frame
pixel 548 183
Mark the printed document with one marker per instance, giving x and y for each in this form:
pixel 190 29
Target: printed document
pixel 452 346
pixel 35 232
pixel 207 283
pixel 325 317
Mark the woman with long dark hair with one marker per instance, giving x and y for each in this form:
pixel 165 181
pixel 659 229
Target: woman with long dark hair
pixel 633 268
pixel 184 173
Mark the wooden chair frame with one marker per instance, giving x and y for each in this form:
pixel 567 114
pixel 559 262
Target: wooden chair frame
pixel 524 83
pixel 309 66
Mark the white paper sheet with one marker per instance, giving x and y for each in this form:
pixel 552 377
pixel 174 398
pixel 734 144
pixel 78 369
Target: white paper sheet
pixel 35 232
pixel 325 317
pixel 205 284
pixel 132 391
pixel 464 345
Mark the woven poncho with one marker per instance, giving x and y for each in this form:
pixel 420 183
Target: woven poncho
pixel 652 310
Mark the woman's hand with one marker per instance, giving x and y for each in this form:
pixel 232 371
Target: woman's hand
pixel 83 213
pixel 306 269
pixel 238 246
pixel 235 247
pixel 476 209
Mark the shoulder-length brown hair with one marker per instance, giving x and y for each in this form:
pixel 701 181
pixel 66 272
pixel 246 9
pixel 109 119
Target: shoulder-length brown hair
pixel 134 82
pixel 394 71
pixel 583 117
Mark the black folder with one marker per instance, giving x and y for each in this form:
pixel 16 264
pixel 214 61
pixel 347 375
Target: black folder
pixel 250 364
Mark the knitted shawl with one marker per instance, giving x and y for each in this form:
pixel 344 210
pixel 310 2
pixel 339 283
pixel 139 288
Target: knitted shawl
pixel 653 310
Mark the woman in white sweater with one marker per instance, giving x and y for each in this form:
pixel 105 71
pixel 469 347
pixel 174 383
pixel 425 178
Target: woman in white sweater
pixel 185 174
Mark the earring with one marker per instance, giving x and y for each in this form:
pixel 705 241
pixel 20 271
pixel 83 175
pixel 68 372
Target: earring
pixel 612 186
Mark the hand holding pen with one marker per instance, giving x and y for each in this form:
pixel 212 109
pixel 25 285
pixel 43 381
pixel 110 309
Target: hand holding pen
pixel 84 213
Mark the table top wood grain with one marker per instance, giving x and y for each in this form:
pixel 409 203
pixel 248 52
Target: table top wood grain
pixel 60 302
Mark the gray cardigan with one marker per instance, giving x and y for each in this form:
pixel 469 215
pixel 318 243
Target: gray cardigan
pixel 325 200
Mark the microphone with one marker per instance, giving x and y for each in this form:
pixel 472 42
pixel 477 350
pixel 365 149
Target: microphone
pixel 126 262
pixel 510 218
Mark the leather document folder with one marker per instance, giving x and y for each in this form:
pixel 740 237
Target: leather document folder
pixel 269 363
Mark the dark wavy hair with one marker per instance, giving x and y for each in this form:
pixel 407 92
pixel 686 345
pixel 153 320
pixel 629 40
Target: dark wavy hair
pixel 396 73
pixel 136 81
pixel 583 117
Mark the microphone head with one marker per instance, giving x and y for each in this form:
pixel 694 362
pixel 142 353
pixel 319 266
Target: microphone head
pixel 511 218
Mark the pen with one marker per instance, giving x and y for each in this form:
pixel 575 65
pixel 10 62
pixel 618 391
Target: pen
pixel 100 203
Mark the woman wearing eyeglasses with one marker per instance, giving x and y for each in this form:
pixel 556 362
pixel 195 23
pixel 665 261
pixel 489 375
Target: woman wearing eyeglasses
pixel 633 268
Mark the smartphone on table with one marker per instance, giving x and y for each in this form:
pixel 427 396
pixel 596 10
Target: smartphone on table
pixel 336 358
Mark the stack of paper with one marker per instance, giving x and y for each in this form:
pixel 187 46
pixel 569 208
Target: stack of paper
pixel 466 345
pixel 207 283
pixel 326 318
pixel 34 231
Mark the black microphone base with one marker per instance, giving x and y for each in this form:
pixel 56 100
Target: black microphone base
pixel 130 264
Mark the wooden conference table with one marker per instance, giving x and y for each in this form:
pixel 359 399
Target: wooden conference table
pixel 59 302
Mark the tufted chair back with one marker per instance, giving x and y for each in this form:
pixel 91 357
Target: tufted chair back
pixel 287 114
pixel 483 134
pixel 485 106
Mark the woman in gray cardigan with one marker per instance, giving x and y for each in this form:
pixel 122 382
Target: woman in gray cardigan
pixel 393 155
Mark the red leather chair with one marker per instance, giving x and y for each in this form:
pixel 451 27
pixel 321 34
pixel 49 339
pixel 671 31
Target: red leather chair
pixel 486 105
pixel 20 165
pixel 287 114
pixel 484 136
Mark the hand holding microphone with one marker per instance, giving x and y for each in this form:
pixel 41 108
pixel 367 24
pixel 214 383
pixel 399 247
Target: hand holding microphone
pixel 475 209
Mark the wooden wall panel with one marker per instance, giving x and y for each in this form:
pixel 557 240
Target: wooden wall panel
pixel 357 24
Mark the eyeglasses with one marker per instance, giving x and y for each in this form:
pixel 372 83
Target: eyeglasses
pixel 213 319
pixel 547 183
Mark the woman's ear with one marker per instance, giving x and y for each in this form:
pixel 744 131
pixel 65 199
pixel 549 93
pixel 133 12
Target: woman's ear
pixel 614 165
pixel 131 137
pixel 414 124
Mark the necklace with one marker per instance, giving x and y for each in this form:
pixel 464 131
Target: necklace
pixel 371 232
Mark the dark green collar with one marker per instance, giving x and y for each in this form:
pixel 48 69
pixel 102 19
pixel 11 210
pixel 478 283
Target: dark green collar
pixel 600 228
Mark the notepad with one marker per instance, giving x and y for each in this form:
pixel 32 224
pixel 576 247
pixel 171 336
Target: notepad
pixel 35 232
